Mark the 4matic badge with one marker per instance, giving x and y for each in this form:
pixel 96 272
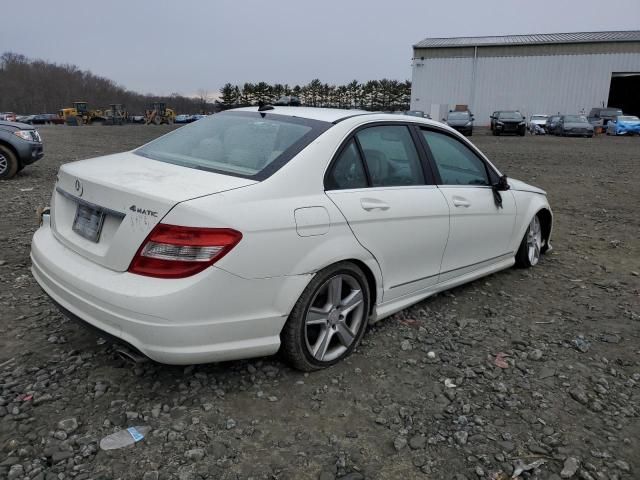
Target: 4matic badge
pixel 143 211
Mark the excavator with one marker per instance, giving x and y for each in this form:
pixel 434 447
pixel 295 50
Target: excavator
pixel 80 114
pixel 159 114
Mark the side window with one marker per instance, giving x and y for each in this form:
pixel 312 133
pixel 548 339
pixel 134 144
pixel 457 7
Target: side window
pixel 391 156
pixel 347 171
pixel 456 163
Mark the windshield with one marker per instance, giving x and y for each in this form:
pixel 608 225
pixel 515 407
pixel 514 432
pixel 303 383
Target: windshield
pixel 458 115
pixel 575 119
pixel 510 116
pixel 628 118
pixel 246 144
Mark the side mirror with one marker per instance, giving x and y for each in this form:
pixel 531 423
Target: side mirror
pixel 502 184
pixel 444 119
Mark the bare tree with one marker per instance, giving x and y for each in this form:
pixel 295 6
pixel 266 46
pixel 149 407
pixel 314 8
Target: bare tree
pixel 204 98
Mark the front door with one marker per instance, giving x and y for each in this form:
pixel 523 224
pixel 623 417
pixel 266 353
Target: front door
pixel 378 183
pixel 480 229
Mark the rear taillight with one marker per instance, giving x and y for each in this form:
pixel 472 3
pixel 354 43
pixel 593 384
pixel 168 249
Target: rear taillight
pixel 172 251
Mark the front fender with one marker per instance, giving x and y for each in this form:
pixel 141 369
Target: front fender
pixel 529 204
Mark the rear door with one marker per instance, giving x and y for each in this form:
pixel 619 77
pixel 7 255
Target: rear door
pixel 380 183
pixel 480 230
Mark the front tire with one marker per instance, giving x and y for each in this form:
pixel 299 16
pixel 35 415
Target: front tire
pixel 530 250
pixel 8 163
pixel 329 319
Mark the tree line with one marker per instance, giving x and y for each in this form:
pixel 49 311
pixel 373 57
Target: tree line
pixel 382 94
pixel 29 86
pixel 36 86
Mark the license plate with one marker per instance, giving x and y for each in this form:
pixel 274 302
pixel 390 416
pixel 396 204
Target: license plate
pixel 88 222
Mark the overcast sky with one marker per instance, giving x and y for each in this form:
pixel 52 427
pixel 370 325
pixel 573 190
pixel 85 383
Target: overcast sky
pixel 165 46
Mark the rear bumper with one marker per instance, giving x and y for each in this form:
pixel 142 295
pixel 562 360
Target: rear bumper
pixel 213 316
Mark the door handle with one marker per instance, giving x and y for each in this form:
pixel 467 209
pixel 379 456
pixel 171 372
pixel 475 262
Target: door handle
pixel 461 202
pixel 369 204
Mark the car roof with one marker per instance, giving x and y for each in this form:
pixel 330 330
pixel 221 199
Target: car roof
pixel 335 115
pixel 330 115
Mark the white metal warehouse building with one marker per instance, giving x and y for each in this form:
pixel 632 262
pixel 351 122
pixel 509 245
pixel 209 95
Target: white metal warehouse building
pixel 536 74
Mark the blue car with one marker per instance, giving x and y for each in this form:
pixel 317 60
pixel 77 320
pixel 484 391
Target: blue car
pixel 624 125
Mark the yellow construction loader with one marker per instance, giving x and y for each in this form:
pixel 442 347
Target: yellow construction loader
pixel 80 114
pixel 159 114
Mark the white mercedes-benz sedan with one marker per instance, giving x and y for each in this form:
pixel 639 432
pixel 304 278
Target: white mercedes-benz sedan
pixel 278 228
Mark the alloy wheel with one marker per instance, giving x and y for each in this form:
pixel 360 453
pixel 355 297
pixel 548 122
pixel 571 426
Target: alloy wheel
pixel 334 317
pixel 4 164
pixel 534 241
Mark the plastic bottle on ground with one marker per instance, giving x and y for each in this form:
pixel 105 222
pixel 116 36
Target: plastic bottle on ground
pixel 124 438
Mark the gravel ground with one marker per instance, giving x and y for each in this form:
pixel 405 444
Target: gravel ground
pixel 524 370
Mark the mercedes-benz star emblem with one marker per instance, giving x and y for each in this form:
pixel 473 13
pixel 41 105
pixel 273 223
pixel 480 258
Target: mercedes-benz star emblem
pixel 79 188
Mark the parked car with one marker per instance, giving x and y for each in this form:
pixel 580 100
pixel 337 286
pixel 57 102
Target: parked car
pixel 288 100
pixel 46 119
pixel 509 122
pixel 183 118
pixel 197 116
pixel 136 118
pixel 624 125
pixel 25 119
pixel 8 116
pixel 460 121
pixel 573 126
pixel 279 228
pixel 494 118
pixel 599 117
pixel 20 145
pixel 537 124
pixel 551 123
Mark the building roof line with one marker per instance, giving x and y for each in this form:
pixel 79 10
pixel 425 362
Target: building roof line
pixel 532 39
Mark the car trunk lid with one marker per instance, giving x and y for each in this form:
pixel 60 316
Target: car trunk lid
pixel 104 208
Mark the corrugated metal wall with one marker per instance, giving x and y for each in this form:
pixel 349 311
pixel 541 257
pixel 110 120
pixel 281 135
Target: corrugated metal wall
pixel 531 84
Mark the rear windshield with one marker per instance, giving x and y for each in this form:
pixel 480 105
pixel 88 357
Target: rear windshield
pixel 610 113
pixel 575 119
pixel 244 144
pixel 628 118
pixel 510 116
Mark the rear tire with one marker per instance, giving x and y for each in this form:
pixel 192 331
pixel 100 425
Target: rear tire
pixel 329 319
pixel 8 163
pixel 530 250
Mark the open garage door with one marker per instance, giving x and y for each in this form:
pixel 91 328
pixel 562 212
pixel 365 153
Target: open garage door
pixel 624 92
